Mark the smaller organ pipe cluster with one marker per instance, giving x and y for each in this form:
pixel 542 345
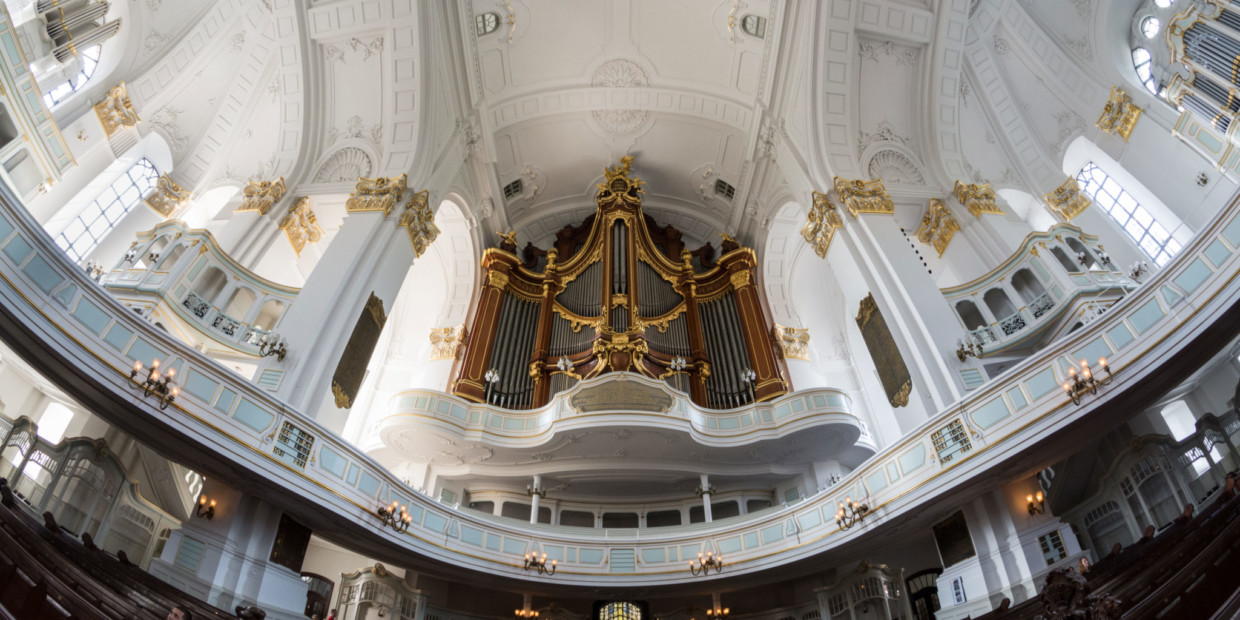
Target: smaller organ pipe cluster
pixel 624 300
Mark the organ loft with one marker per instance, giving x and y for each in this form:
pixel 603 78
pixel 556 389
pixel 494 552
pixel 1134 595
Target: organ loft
pixel 620 293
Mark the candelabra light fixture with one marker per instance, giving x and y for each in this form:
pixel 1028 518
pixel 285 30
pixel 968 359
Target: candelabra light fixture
pixel 706 563
pixel 1105 258
pixel 526 613
pixel 1036 503
pixel 1138 269
pixel 272 344
pixel 967 347
pixel 677 364
pixel 533 561
pixel 718 612
pixel 566 366
pixel 131 255
pixel 850 513
pixel 749 377
pixel 395 515
pixel 1084 382
pixel 155 382
pixel 94 270
pixel 491 377
pixel 205 509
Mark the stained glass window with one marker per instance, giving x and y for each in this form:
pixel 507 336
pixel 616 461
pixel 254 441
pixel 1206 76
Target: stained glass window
pixel 620 611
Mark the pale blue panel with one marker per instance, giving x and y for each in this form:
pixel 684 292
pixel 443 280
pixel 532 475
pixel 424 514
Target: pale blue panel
pixel 1042 383
pixel 730 545
pixel 746 421
pixel 144 352
pixel 91 316
pixel 42 273
pixel 1192 277
pixel 798 406
pixel 1217 252
pixel 1146 316
pixel 435 523
pixel 420 402
pixel 253 416
pixel 270 379
pixel 820 400
pixel 495 421
pixel 654 556
pixel 781 411
pixel 475 537
pixel 751 540
pixel 1232 232
pixel 893 471
pixel 332 462
pixel 1120 336
pixel 729 423
pixel 442 406
pixel 554 553
pixel 17 249
pixel 494 541
pixel 1057 292
pixel 354 470
pixel 514 424
pixel 1092 351
pixel 474 417
pixel 193 272
pixel 766 415
pixel 511 545
pixel 690 551
pixel 415 512
pixel 65 295
pixel 809 520
pixel 913 459
pixel 1171 295
pixel 225 400
pixel 772 534
pixel 972 378
pixel 622 561
pixel 712 423
pixel 199 386
pixel 836 400
pixel 991 413
pixel 118 337
pixel 877 481
pixel 591 556
pixel 459 412
pixel 6 228
pixel 1017 396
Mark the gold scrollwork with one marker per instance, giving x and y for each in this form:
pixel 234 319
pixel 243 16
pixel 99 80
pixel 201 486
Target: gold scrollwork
pixel 419 221
pixel 498 279
pixel 1119 115
pixel 861 196
pixel 262 195
pixel 116 111
pixel 978 197
pixel 660 322
pixel 446 341
pixel 740 279
pixel 618 185
pixel 167 196
pixel 576 321
pixel 379 194
pixel 792 342
pixel 1068 200
pixel 937 226
pixel 300 225
pixel 821 223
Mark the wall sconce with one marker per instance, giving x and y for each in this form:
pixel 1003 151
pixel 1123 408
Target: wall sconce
pixel 155 383
pixel 1084 382
pixel 705 564
pixel 678 364
pixel 749 377
pixel 718 612
pixel 1138 269
pixel 973 349
pixel 1036 503
pixel 1104 257
pixel 272 344
pixel 205 510
pixel 850 513
pixel 131 256
pixel 394 515
pixel 566 366
pixel 491 377
pixel 526 613
pixel 534 562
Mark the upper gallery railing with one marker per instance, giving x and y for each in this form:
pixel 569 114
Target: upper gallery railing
pixel 56 305
pixel 178 273
pixel 1036 285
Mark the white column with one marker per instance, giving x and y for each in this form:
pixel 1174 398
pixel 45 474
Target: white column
pixel 535 495
pixel 705 490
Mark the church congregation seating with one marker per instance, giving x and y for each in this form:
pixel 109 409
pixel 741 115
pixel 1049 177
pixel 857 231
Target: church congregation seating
pixel 47 574
pixel 1187 570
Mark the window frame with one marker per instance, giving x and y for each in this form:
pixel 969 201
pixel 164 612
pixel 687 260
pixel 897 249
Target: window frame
pixel 1137 222
pixel 90 61
pixel 86 231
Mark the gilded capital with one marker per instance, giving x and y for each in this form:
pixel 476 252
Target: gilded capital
pixel 861 196
pixel 937 226
pixel 446 341
pixel 116 112
pixel 498 279
pixel 262 195
pixel 792 342
pixel 821 223
pixel 979 198
pixel 419 221
pixel 300 225
pixel 1119 115
pixel 166 197
pixel 740 279
pixel 379 194
pixel 1068 200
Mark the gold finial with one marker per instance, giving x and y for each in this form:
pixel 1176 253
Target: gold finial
pixel 509 238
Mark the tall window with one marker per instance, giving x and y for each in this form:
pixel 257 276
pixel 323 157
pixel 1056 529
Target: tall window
pixel 97 219
pixel 1149 235
pixel 90 60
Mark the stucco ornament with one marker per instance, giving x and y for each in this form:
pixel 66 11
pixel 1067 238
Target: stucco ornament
pixel 620 73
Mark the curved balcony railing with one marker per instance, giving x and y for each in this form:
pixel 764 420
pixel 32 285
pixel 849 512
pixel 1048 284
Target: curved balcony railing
pixel 165 275
pixel 1057 271
pixel 51 309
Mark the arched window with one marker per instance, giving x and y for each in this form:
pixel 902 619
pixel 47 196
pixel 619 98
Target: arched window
pixel 90 60
pixel 54 422
pixel 99 217
pixel 1153 239
pixel 486 23
pixel 754 26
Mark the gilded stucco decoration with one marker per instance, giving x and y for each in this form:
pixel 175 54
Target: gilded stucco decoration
pixel 446 341
pixel 1119 115
pixel 793 342
pixel 380 194
pixel 301 226
pixel 937 226
pixel 260 196
pixel 1068 200
pixel 821 224
pixel 167 196
pixel 116 111
pixel 419 221
pixel 618 185
pixel 978 197
pixel 861 196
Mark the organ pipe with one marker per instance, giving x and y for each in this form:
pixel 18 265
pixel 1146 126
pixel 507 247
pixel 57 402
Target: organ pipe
pixel 622 300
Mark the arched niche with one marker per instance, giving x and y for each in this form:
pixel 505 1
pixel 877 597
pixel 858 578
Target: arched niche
pixel 269 315
pixel 970 315
pixel 1027 285
pixel 999 303
pixel 239 303
pixel 210 283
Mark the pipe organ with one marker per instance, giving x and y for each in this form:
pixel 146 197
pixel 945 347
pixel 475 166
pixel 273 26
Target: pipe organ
pixel 619 293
